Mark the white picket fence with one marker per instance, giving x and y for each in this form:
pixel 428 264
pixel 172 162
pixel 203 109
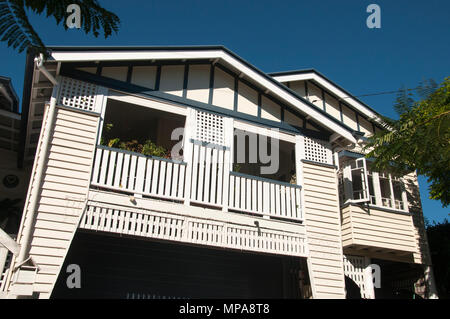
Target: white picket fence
pixel 165 226
pixel 138 174
pixel 264 196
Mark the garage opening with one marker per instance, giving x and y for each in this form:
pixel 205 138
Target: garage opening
pixel 128 268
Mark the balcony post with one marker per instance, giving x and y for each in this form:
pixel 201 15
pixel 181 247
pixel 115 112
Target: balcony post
pixel 376 188
pixel 228 160
pixel 187 153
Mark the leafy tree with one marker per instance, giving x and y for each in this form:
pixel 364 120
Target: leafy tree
pixel 17 31
pixel 419 139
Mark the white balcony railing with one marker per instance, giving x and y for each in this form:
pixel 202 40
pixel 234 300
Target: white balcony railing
pixel 137 174
pixel 262 196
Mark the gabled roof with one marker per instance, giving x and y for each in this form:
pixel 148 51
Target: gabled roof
pixel 326 83
pixel 215 53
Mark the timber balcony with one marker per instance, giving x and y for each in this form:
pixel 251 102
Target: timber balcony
pixel 209 182
pixel 234 201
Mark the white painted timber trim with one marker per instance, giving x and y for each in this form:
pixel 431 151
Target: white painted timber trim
pixel 105 55
pixel 264 131
pixel 9 242
pixel 114 200
pixel 146 102
pixel 330 87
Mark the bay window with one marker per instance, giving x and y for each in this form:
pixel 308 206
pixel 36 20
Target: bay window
pixel 360 184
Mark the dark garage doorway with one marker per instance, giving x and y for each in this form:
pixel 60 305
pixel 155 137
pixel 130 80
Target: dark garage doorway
pixel 120 268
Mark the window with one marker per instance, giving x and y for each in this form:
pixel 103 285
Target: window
pixel 359 180
pixel 358 183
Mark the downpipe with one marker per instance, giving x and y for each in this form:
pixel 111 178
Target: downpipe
pixel 31 208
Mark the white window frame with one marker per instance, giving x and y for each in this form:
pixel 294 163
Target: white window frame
pixel 349 194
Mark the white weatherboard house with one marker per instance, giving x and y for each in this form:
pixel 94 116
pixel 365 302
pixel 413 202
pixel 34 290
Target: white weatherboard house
pixel 208 222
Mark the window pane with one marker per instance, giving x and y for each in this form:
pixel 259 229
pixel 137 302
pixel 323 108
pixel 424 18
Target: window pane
pixel 385 192
pixel 398 190
pixel 358 191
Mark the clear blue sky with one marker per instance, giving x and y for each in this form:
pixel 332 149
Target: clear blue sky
pixel 330 36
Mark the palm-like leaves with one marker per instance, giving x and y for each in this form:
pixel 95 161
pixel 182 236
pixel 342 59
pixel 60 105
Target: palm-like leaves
pixel 16 30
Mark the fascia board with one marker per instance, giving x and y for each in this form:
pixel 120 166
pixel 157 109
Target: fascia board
pixel 333 89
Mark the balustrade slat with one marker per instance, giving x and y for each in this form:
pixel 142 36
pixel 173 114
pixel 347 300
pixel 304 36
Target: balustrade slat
pixel 220 171
pixel 266 195
pixel 238 192
pixel 213 195
pixel 118 170
pixel 181 181
pixel 104 167
pixel 207 175
pixel 132 176
pixel 148 176
pixel 168 181
pixel 248 194
pixel 195 164
pixel 126 165
pixel 112 164
pixel 175 184
pixel 283 200
pixel 201 174
pixel 288 203
pixel 98 155
pixel 140 173
pixel 232 191
pixel 155 176
pixel 254 201
pixel 260 197
pixel 162 172
pixel 293 209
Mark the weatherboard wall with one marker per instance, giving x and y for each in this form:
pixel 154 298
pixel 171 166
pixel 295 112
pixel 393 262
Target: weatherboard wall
pixel 62 194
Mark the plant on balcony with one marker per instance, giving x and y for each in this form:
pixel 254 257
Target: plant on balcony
pixel 148 148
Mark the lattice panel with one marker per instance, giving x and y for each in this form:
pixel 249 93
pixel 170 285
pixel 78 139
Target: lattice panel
pixel 354 269
pixel 210 128
pixel 78 94
pixel 317 151
pixel 192 230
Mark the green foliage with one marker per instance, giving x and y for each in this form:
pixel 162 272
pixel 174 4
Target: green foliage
pixel 438 235
pixel 150 148
pixel 147 148
pixel 115 142
pixel 16 30
pixel 419 139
